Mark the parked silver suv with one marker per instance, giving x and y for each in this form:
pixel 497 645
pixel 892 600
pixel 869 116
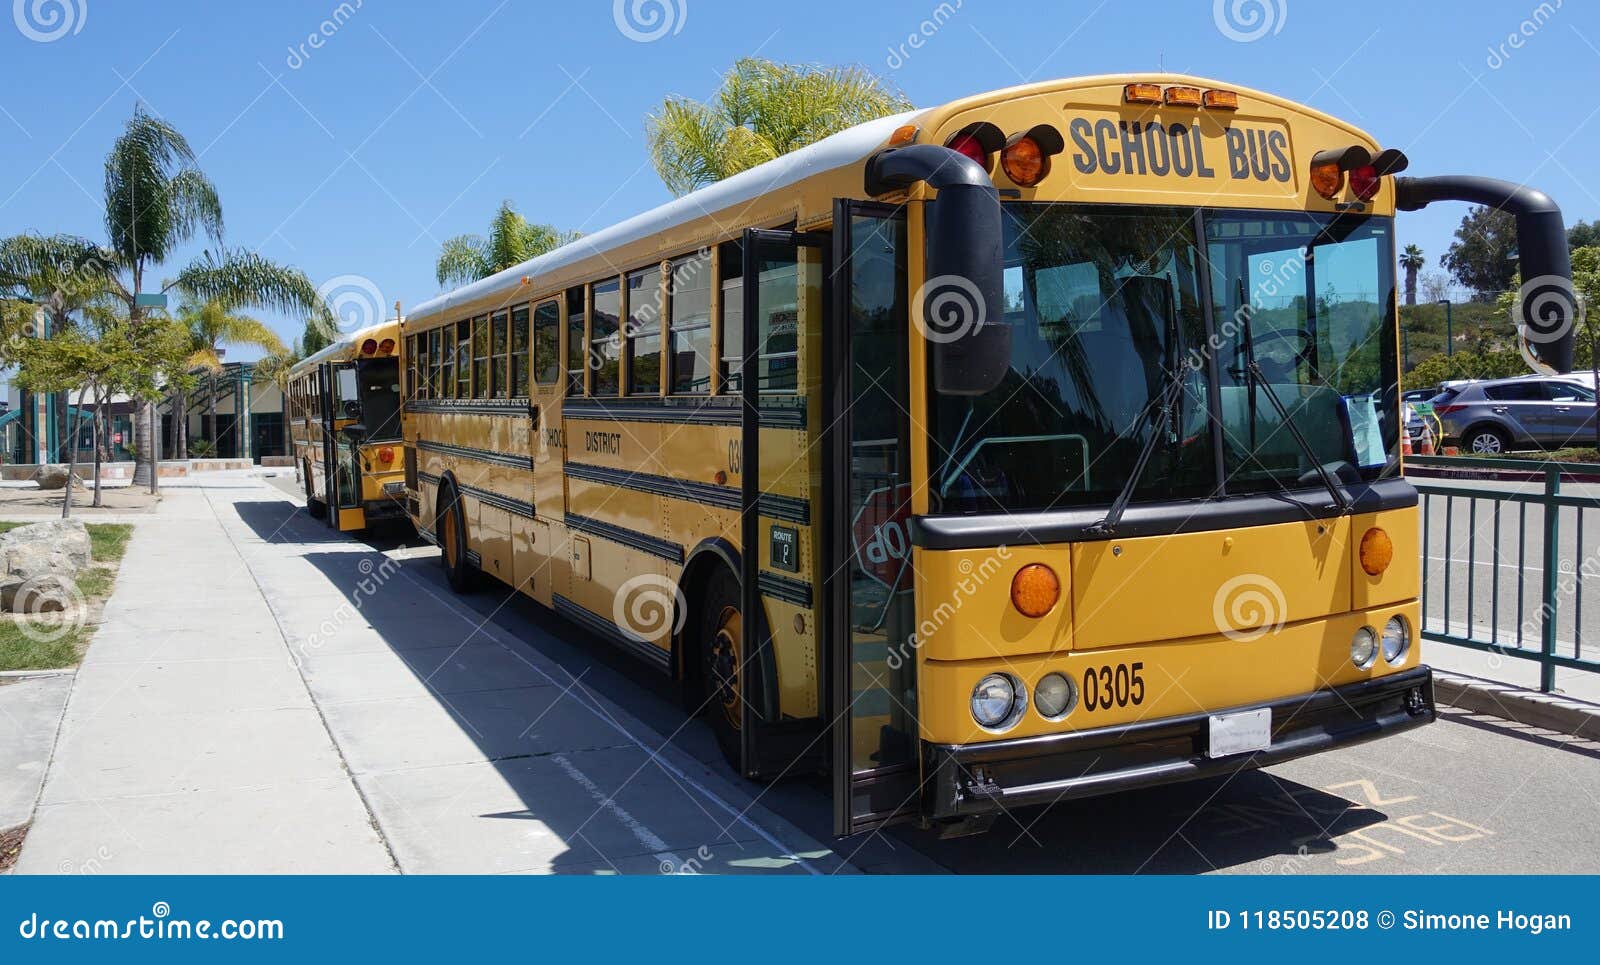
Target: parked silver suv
pixel 1504 415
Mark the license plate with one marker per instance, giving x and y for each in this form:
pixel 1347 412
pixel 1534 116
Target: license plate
pixel 1240 733
pixel 394 488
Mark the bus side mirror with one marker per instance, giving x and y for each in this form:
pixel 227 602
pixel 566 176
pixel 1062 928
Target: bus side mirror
pixel 1547 305
pixel 960 308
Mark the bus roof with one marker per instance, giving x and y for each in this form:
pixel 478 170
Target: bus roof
pixel 345 348
pixel 848 147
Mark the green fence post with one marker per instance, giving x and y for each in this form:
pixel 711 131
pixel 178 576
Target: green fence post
pixel 1552 571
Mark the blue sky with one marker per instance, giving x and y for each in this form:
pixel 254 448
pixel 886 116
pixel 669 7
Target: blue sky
pixel 414 120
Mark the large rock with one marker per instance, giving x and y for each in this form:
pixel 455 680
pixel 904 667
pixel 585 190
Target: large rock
pixel 51 477
pixel 56 546
pixel 50 593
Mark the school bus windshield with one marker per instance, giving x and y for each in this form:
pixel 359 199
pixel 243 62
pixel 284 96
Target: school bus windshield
pixel 1108 305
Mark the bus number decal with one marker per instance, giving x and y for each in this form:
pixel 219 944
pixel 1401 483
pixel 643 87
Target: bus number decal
pixel 1113 686
pixel 735 457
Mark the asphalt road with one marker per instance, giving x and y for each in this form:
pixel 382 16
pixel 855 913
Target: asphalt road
pixel 1467 795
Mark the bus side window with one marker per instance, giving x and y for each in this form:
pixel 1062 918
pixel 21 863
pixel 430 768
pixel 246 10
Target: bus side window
pixel 577 338
pixel 431 384
pixel 480 357
pixel 730 316
pixel 547 343
pixel 519 352
pixel 644 331
pixel 605 343
pixel 499 357
pixel 447 362
pixel 461 344
pixel 689 308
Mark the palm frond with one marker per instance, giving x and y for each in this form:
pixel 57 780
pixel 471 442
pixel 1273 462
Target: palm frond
pixel 462 259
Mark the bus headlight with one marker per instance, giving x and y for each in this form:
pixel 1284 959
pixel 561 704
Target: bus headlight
pixel 1364 648
pixel 997 701
pixel 1396 639
pixel 1054 696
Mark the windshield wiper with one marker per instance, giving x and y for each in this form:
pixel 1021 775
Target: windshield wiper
pixel 1160 431
pixel 1257 379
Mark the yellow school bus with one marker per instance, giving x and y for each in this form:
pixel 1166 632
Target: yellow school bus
pixel 1038 445
pixel 344 412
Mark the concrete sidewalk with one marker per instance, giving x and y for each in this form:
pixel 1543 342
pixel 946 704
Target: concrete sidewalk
pixel 30 711
pixel 268 695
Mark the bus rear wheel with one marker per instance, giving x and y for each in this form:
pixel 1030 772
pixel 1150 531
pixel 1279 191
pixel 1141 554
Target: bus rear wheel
pixel 723 676
pixel 451 532
pixel 314 506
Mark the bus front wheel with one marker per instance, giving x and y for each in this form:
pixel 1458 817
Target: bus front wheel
pixel 451 531
pixel 724 676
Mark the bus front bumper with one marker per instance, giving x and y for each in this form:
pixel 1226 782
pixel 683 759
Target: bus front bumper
pixel 976 779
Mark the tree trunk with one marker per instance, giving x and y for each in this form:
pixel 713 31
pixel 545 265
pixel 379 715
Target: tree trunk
pixel 180 424
pixel 101 400
pixel 72 460
pixel 1411 286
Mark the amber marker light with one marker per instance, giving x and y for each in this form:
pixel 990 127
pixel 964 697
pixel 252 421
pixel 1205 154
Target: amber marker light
pixel 1142 93
pixel 386 346
pixel 1183 96
pixel 1327 180
pixel 1024 163
pixel 1377 551
pixel 904 134
pixel 1221 100
pixel 1035 590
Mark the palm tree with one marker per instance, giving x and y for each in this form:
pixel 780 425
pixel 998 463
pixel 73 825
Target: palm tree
pixel 762 110
pixel 1412 261
pixel 210 326
pixel 156 200
pixel 512 240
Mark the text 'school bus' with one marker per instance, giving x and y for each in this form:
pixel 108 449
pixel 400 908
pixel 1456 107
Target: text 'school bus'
pixel 1038 445
pixel 344 413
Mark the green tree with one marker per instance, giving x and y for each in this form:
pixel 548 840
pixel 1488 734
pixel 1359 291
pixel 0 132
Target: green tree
pixel 761 111
pixel 1583 235
pixel 45 281
pixel 100 355
pixel 209 326
pixel 512 240
pixel 156 200
pixel 1412 261
pixel 1482 256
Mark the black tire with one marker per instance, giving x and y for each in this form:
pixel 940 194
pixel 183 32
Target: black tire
pixel 315 508
pixel 450 529
pixel 722 679
pixel 1485 441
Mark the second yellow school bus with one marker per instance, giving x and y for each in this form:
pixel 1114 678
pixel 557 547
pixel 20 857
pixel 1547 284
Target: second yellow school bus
pixel 1037 445
pixel 343 405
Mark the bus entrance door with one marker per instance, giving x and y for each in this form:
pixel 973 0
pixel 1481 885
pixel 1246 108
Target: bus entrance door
pixel 871 650
pixel 341 453
pixel 785 299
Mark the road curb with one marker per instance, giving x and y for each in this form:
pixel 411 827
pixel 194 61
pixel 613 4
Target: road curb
pixel 1550 711
pixel 32 674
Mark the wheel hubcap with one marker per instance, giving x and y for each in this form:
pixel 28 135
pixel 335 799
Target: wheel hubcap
pixel 725 664
pixel 1486 444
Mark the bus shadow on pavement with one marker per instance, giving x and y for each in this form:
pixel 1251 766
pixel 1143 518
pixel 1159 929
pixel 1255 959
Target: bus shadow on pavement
pixel 482 738
pixel 1254 822
pixel 281 521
